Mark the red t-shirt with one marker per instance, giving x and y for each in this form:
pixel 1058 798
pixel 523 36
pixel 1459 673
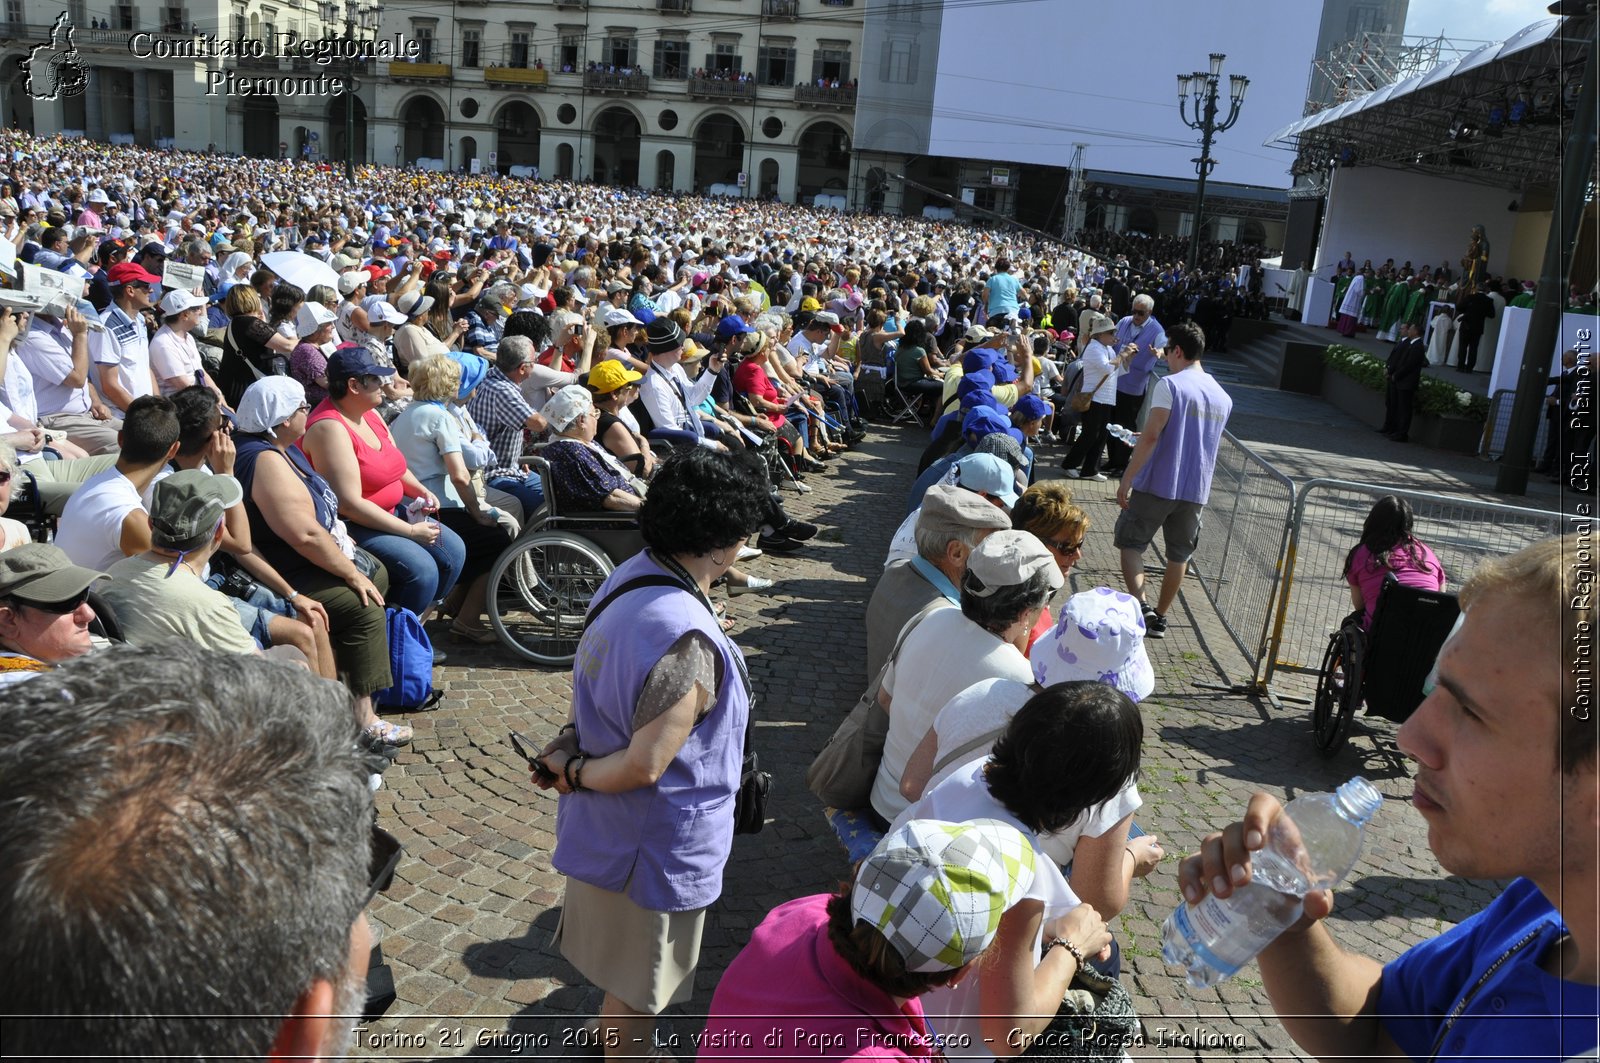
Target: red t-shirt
pixel 751 379
pixel 381 469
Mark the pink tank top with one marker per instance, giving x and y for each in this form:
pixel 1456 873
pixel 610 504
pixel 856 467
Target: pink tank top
pixel 381 469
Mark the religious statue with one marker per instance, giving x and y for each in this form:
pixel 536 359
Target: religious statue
pixel 1475 265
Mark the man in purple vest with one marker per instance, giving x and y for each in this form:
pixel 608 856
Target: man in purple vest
pixel 1144 334
pixel 1168 481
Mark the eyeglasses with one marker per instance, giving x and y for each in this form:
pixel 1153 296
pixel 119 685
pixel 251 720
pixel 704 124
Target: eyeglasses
pixel 1062 547
pixel 61 608
pixel 369 380
pixel 386 854
pixel 304 407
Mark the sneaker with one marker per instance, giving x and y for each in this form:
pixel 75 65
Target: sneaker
pixel 1073 474
pixel 747 552
pixel 798 530
pixel 803 488
pixel 778 544
pixel 1155 626
pixel 1147 612
pixel 755 585
pixel 388 733
pixel 1098 477
pixel 439 656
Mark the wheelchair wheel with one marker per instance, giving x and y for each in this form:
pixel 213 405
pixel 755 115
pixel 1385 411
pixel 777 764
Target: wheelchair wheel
pixel 1338 691
pixel 539 591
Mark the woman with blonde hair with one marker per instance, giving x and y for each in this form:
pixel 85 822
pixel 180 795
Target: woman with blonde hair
pixel 251 348
pixel 430 437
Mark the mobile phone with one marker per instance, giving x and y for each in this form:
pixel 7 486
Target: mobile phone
pixel 538 766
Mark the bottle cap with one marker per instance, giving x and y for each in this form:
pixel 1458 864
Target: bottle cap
pixel 1360 799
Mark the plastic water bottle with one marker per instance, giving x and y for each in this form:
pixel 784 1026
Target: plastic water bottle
pixel 1122 435
pixel 1311 846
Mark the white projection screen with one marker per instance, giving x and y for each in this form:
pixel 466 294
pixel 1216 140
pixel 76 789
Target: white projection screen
pixel 1022 80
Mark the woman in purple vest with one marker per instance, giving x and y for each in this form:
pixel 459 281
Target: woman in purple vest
pixel 648 764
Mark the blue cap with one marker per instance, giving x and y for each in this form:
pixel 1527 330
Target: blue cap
pixel 982 420
pixel 974 399
pixel 979 359
pixel 350 360
pixel 982 380
pixel 1004 372
pixel 474 367
pixel 989 475
pixel 731 326
pixel 1031 407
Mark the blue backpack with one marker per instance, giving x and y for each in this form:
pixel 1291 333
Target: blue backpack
pixel 411 662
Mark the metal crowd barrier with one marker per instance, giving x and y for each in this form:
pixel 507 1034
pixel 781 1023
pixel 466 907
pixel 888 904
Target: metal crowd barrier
pixel 1246 526
pixel 1328 515
pixel 1499 426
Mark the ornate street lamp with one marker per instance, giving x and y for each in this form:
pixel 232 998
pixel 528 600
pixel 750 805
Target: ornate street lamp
pixel 361 21
pixel 1200 90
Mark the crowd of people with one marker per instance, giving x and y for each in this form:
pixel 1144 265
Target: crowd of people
pixel 246 477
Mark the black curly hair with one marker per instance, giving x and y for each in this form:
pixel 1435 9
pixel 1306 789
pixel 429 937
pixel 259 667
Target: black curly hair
pixel 700 501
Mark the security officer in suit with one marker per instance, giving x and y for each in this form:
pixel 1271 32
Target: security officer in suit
pixel 1404 376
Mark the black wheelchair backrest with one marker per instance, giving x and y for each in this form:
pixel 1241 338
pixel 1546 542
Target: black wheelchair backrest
pixel 1409 627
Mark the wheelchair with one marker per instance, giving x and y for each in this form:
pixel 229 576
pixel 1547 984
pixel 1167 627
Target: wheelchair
pixel 1384 667
pixel 541 586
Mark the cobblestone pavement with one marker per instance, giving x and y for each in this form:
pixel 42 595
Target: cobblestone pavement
pixel 467 924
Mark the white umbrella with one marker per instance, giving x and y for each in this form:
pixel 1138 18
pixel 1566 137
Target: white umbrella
pixel 300 269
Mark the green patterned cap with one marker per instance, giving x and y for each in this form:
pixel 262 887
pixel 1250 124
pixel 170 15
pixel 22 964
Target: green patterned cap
pixel 937 890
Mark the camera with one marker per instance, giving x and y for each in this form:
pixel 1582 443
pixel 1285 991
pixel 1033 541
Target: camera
pixel 238 584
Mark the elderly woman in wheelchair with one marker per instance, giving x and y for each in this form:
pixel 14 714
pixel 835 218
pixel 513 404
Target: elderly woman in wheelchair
pixel 1383 651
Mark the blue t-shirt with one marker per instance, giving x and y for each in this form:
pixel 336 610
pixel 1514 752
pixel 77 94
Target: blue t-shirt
pixel 1003 289
pixel 425 432
pixel 1514 1014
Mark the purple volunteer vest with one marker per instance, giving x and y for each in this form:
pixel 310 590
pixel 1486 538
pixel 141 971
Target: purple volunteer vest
pixel 663 845
pixel 1186 454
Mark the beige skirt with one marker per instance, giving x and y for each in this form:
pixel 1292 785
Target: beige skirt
pixel 643 958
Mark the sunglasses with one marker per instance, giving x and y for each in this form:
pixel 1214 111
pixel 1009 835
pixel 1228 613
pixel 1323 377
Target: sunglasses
pixel 61 608
pixel 1062 547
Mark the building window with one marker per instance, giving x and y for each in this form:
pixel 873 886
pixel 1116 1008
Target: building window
pixel 622 52
pixel 672 60
pixel 471 47
pixel 900 62
pixel 724 59
pixel 424 38
pixel 172 20
pixel 830 65
pixel 78 9
pixel 903 10
pixel 1364 20
pixel 122 15
pixel 519 48
pixel 14 12
pixel 775 65
pixel 571 50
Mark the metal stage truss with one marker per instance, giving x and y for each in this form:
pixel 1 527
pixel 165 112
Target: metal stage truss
pixel 1492 115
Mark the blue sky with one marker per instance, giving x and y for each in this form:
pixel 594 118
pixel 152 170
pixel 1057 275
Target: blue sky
pixel 1479 20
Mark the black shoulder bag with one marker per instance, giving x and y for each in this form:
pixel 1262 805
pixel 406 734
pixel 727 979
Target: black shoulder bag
pixel 750 799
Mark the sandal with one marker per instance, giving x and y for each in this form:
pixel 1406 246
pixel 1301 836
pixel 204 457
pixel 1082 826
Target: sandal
pixel 383 732
pixel 483 636
pixel 723 619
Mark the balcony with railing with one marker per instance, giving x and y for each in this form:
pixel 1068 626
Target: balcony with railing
pixel 817 96
pixel 675 7
pixel 606 81
pixel 524 77
pixel 717 89
pixel 784 9
pixel 571 5
pixel 401 71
